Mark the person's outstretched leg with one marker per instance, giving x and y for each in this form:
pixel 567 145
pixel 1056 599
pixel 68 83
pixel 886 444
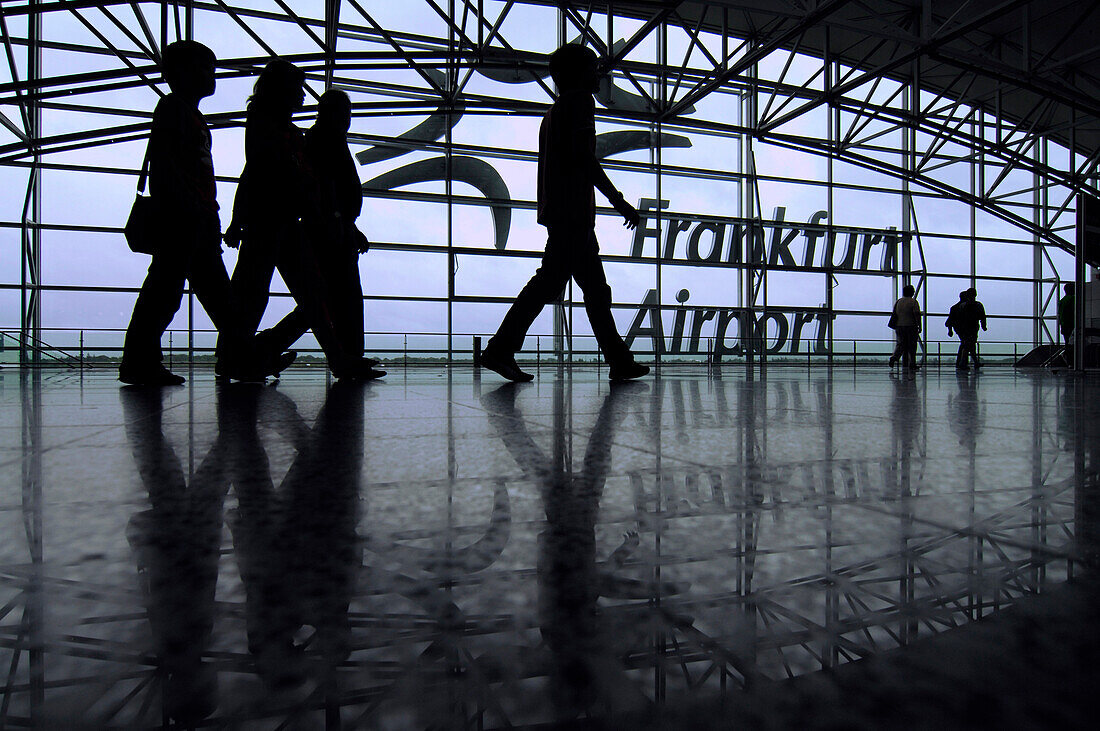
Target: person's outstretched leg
pixel 543 288
pixel 156 305
pixel 589 273
pixel 236 345
pixel 250 286
pixel 299 269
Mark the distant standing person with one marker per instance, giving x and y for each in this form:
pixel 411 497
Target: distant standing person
pixel 958 321
pixel 907 319
pixel 568 170
pixel 333 238
pixel 1067 311
pixel 181 181
pixel 974 313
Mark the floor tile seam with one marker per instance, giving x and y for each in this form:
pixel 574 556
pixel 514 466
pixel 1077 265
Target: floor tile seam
pixel 69 444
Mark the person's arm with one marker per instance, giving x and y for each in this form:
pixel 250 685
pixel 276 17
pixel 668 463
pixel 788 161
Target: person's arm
pixel 587 131
pixel 981 312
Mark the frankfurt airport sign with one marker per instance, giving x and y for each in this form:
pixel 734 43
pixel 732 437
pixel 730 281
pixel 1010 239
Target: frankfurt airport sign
pixel 752 245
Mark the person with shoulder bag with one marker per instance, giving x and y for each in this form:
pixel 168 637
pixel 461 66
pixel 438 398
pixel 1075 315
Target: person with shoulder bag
pixel 178 225
pixel 907 325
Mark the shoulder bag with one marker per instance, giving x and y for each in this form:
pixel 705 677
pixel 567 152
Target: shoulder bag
pixel 141 227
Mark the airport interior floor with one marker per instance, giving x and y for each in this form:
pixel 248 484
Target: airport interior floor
pixel 842 548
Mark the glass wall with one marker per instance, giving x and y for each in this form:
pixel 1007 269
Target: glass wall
pixel 773 226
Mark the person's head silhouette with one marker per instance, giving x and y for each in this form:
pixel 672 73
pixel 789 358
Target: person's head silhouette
pixel 188 68
pixel 334 112
pixel 279 88
pixel 574 68
pixel 908 291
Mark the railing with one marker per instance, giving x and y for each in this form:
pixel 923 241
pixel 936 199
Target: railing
pixel 90 346
pixel 12 341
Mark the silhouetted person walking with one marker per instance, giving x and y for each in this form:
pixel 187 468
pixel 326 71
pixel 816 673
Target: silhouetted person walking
pixel 181 180
pixel 907 326
pixel 568 171
pixel 334 240
pixel 277 191
pixel 1067 312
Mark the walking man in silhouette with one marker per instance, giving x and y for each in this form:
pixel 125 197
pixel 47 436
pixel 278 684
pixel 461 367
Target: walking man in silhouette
pixel 181 179
pixel 568 172
pixel 907 319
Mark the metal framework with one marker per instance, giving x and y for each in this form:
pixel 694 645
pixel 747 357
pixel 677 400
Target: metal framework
pixel 989 105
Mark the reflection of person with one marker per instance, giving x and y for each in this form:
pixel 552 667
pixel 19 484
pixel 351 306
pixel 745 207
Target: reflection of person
pixel 335 241
pixel 297 546
pixel 905 422
pixel 1067 311
pixel 964 411
pixel 177 543
pixel 181 180
pixel 275 193
pixel 568 171
pixel 586 669
pixel 907 325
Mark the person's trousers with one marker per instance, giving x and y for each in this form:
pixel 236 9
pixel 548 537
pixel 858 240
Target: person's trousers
pixel 162 292
pixel 284 249
pixel 570 252
pixel 968 348
pixel 338 263
pixel 907 339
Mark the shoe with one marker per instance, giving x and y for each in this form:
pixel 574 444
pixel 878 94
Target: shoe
pixel 361 372
pixel 280 363
pixel 893 362
pixel 505 365
pixel 157 375
pixel 961 368
pixel 628 370
pixel 372 362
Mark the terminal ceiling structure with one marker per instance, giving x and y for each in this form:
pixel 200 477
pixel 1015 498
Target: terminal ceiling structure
pixel 796 161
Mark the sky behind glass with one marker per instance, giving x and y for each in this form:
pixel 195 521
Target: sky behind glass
pixel 100 259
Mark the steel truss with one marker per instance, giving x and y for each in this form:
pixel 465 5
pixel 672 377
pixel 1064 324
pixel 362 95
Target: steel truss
pixel 1000 94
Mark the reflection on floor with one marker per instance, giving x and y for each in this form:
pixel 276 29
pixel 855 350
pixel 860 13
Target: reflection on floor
pixel 441 550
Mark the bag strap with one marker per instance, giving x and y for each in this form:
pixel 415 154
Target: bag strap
pixel 144 169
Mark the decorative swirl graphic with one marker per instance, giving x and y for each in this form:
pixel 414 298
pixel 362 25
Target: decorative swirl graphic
pixel 481 174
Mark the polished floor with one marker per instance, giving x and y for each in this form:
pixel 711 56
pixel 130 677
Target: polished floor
pixel 442 550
